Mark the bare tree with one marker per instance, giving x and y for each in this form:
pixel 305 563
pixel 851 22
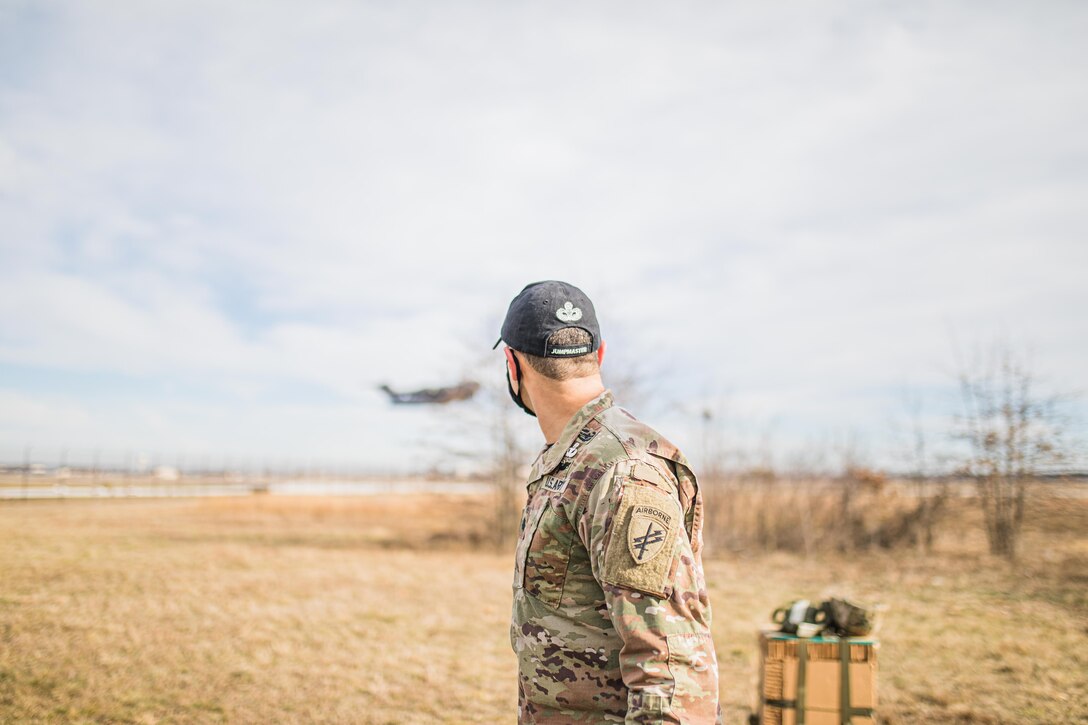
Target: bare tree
pixel 1012 433
pixel 506 465
pixel 489 434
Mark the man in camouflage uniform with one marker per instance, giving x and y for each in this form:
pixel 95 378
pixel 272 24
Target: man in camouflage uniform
pixel 611 616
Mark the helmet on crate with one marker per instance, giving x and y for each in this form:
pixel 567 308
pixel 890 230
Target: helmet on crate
pixel 800 618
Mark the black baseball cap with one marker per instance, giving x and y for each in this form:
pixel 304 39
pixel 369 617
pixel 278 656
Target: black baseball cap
pixel 544 307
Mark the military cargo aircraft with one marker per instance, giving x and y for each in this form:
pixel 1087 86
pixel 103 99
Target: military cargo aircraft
pixel 439 396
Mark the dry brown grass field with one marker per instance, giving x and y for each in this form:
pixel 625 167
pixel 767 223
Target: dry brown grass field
pixel 364 610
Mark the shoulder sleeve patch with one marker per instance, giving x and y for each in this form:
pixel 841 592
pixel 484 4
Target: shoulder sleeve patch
pixel 643 536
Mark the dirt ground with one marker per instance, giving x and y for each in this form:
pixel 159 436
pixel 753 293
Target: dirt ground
pixel 273 609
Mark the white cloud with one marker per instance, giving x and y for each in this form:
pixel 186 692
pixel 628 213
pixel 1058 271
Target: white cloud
pixel 795 206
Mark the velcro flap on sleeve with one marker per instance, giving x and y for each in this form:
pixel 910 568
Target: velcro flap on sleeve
pixel 645 472
pixel 642 540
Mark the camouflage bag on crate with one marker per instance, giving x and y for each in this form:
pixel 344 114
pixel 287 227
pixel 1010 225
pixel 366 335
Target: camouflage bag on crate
pixel 840 617
pixel 849 619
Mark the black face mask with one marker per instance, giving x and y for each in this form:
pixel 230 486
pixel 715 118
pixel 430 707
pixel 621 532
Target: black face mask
pixel 516 397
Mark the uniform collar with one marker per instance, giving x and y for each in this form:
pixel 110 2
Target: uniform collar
pixel 549 458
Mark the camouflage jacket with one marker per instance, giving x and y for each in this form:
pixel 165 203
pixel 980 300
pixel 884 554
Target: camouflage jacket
pixel 611 617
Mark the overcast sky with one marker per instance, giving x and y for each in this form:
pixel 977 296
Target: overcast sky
pixel 222 224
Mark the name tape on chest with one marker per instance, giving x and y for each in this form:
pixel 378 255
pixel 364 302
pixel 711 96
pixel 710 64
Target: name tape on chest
pixel 554 483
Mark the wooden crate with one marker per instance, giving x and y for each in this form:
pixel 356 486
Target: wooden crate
pixel 802 682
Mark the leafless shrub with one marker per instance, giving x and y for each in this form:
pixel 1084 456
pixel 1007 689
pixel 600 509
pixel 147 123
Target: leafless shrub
pixel 930 491
pixel 1012 435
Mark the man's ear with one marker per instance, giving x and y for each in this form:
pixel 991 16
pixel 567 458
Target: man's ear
pixel 600 352
pixel 512 369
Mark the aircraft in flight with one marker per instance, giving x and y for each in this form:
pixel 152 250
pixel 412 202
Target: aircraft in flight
pixel 438 396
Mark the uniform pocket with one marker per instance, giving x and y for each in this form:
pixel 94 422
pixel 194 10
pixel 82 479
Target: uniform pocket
pixel 530 520
pixel 548 555
pixel 694 668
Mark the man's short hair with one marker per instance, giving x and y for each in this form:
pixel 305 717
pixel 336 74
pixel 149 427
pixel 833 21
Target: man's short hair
pixel 565 368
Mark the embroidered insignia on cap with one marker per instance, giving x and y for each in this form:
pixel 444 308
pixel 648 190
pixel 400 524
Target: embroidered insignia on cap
pixel 647 532
pixel 569 313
